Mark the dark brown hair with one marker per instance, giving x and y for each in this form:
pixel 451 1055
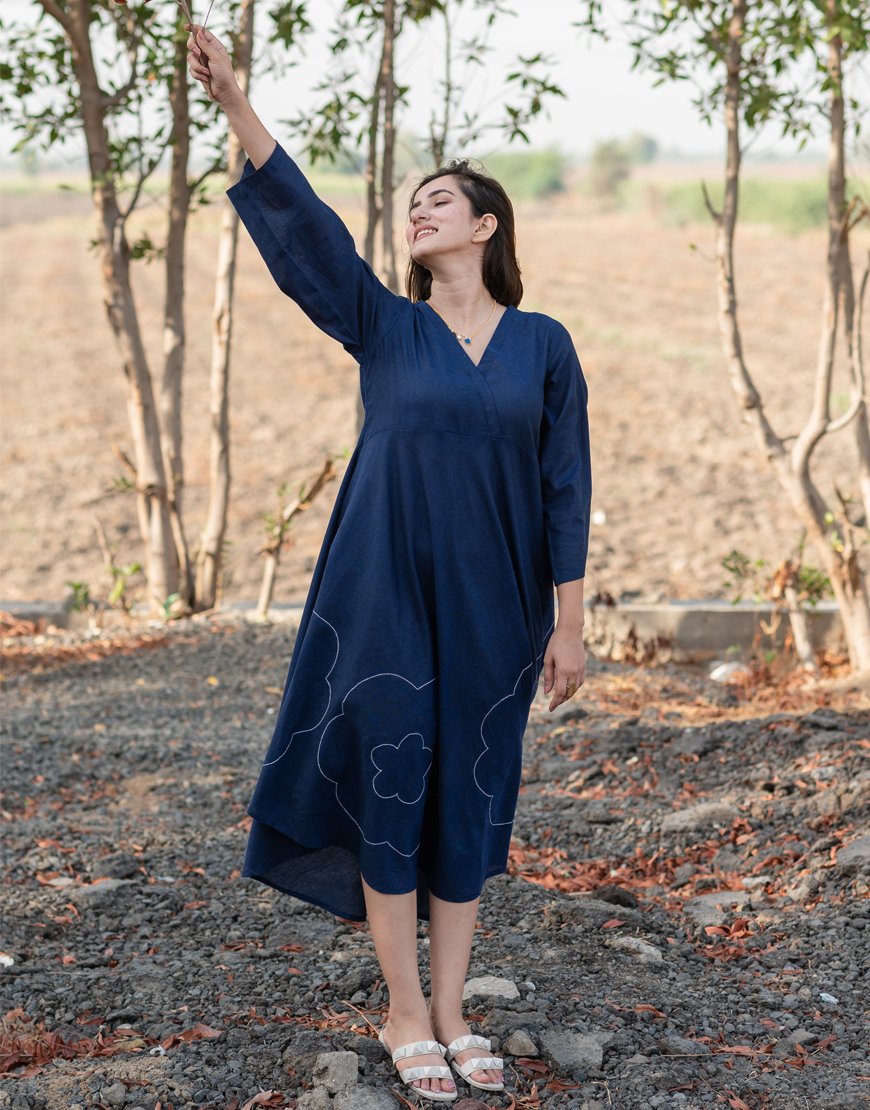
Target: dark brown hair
pixel 501 270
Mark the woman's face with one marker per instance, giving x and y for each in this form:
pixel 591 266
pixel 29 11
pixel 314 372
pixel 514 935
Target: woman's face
pixel 441 220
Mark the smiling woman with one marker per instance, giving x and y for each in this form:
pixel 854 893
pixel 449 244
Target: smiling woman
pixel 390 784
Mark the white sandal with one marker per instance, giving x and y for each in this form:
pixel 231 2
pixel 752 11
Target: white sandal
pixel 476 1063
pixel 427 1071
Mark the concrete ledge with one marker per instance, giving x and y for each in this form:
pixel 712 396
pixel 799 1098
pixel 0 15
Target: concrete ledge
pixel 684 631
pixel 699 630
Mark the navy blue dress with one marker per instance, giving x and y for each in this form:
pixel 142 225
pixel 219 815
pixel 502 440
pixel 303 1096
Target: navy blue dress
pixel 397 749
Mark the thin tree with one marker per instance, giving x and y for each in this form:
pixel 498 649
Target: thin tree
pixel 752 51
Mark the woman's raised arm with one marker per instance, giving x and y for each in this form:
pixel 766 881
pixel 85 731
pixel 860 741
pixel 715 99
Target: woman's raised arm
pixel 211 66
pixel 309 251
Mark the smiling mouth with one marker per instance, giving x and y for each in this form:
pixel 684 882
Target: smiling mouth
pixel 424 231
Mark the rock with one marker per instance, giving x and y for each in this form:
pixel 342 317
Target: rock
pixel 726 672
pixel 364 1098
pixel 636 1061
pixel 695 742
pixel 336 1071
pixel 114 1095
pixel 803 1037
pixel 318 1099
pixel 596 912
pixel 598 812
pixel 519 1043
pixel 616 896
pixel 854 856
pixel 640 949
pixel 574 1054
pixel 711 909
pixel 681 1046
pixel 96 892
pixel 489 986
pixel 707 815
pixel 503 1022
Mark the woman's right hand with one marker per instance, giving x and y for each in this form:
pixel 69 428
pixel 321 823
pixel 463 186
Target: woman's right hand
pixel 209 63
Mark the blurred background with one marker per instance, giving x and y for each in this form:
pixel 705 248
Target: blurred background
pixel 605 127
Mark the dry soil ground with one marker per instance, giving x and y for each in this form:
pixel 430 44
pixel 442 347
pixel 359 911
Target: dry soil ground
pixel 677 475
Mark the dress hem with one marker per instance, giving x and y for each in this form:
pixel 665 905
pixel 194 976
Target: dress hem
pixel 353 916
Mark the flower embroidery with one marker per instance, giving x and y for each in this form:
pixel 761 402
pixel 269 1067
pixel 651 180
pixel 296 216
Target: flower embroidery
pixel 386 723
pixel 398 769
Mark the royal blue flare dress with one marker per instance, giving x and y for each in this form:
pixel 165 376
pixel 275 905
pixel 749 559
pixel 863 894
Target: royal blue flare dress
pixel 397 749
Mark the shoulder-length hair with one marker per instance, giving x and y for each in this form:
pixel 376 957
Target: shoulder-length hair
pixel 501 270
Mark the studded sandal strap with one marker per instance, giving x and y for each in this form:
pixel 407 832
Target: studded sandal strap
pixel 429 1071
pixel 481 1063
pixel 468 1040
pixel 418 1048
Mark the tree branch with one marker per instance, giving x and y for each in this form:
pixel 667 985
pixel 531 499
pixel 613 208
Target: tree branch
pixel 52 8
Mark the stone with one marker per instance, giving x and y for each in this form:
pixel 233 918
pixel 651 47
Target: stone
pixel 644 952
pixel 711 909
pixel 318 1099
pixel 336 1071
pixel 596 912
pixel 802 1037
pixel 503 1022
pixel 96 892
pixel 364 1098
pixel 519 1043
pixel 574 1054
pixel 681 1046
pixel 490 986
pixel 854 856
pixel 707 815
pixel 114 1095
pixel 616 896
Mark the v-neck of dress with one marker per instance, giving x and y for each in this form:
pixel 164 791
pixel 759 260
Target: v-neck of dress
pixel 465 353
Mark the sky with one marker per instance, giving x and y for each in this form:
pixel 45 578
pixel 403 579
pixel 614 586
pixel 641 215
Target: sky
pixel 605 98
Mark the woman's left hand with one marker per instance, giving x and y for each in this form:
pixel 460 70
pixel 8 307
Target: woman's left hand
pixel 564 664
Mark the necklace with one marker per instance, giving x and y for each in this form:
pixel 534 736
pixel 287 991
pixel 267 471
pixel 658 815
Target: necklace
pixel 466 338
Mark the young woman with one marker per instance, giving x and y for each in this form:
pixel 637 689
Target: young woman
pixel 389 788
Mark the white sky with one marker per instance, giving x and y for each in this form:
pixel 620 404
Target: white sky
pixel 605 98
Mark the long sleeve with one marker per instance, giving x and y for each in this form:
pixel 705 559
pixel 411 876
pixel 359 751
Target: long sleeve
pixel 311 254
pixel 565 460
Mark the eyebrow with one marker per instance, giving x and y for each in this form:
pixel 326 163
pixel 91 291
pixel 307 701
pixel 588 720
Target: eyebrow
pixel 434 193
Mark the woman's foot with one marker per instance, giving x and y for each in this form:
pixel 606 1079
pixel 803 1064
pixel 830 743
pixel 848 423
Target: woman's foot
pixel 399 1031
pixel 447 1030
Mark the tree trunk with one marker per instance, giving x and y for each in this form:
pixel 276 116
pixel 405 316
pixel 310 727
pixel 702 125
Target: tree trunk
pixel 373 204
pixel 388 83
pixel 209 564
pixel 840 560
pixel 114 254
pixel 170 388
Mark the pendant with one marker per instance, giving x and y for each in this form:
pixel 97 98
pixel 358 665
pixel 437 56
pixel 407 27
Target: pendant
pixel 467 339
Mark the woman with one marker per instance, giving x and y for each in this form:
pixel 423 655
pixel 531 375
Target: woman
pixel 389 788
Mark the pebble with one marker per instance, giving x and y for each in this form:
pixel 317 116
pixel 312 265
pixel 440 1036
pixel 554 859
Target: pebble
pixel 854 856
pixel 519 1043
pixel 336 1071
pixel 707 815
pixel 574 1054
pixel 641 950
pixel 489 986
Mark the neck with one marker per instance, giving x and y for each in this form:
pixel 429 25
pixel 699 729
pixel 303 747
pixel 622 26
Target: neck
pixel 462 298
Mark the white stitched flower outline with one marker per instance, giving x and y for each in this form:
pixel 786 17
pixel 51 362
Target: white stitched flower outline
pixel 398 765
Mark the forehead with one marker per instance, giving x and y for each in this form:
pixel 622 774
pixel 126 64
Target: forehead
pixel 448 182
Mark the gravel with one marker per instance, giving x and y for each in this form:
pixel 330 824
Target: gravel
pixel 142 971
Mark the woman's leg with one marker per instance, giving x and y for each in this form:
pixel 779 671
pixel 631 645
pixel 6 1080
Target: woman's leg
pixel 451 931
pixel 393 922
